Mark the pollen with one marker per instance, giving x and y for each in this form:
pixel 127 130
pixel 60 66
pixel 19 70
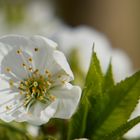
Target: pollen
pixel 36 71
pixel 8 69
pixel 19 51
pixel 8 108
pixel 11 83
pixel 48 73
pixel 36 49
pixel 36 88
pixel 30 59
pixel 24 65
pixel 30 68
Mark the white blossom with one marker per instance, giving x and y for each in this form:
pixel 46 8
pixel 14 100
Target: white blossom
pixel 34 79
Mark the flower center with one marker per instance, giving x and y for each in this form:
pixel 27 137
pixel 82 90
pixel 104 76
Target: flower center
pixel 36 88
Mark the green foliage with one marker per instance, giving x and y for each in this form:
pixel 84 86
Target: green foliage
pixel 119 132
pixel 79 120
pixel 105 107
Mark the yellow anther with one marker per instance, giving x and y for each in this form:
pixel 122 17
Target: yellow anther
pixel 26 83
pixel 30 69
pixel 52 98
pixel 24 65
pixel 30 59
pixel 21 92
pixel 11 83
pixel 48 83
pixel 8 108
pixel 36 71
pixel 63 82
pixel 21 85
pixel 33 90
pixel 47 72
pixel 19 51
pixel 8 69
pixel 40 98
pixel 59 76
pixel 36 49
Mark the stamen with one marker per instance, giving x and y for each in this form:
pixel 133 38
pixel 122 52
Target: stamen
pixel 49 83
pixel 12 74
pixel 8 69
pixel 30 59
pixel 36 49
pixel 11 83
pixel 59 76
pixel 36 71
pixel 19 51
pixel 24 60
pixel 30 69
pixel 63 82
pixel 48 73
pixel 8 108
pixel 52 97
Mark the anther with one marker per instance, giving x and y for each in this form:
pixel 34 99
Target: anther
pixel 11 83
pixel 8 69
pixel 35 49
pixel 48 83
pixel 30 59
pixel 52 98
pixel 8 108
pixel 59 76
pixel 24 65
pixel 36 71
pixel 30 69
pixel 19 51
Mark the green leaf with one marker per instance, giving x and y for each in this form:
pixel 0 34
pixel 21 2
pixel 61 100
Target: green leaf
pixel 98 98
pixel 118 133
pixel 93 84
pixel 122 100
pixel 108 79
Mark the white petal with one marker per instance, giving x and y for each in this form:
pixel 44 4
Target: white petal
pixel 62 62
pixel 7 118
pixel 7 105
pixel 14 62
pixel 3 84
pixel 43 57
pixel 39 114
pixel 68 97
pixel 14 40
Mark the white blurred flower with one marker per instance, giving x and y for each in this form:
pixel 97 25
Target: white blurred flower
pixel 82 38
pixel 38 17
pixel 35 81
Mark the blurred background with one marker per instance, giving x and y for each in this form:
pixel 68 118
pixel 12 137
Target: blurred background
pixel 113 26
pixel 118 20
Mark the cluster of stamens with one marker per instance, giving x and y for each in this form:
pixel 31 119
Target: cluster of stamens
pixel 36 86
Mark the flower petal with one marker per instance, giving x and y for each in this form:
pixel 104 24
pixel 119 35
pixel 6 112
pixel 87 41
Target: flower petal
pixel 68 97
pixel 39 114
pixel 44 58
pixel 7 105
pixel 62 62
